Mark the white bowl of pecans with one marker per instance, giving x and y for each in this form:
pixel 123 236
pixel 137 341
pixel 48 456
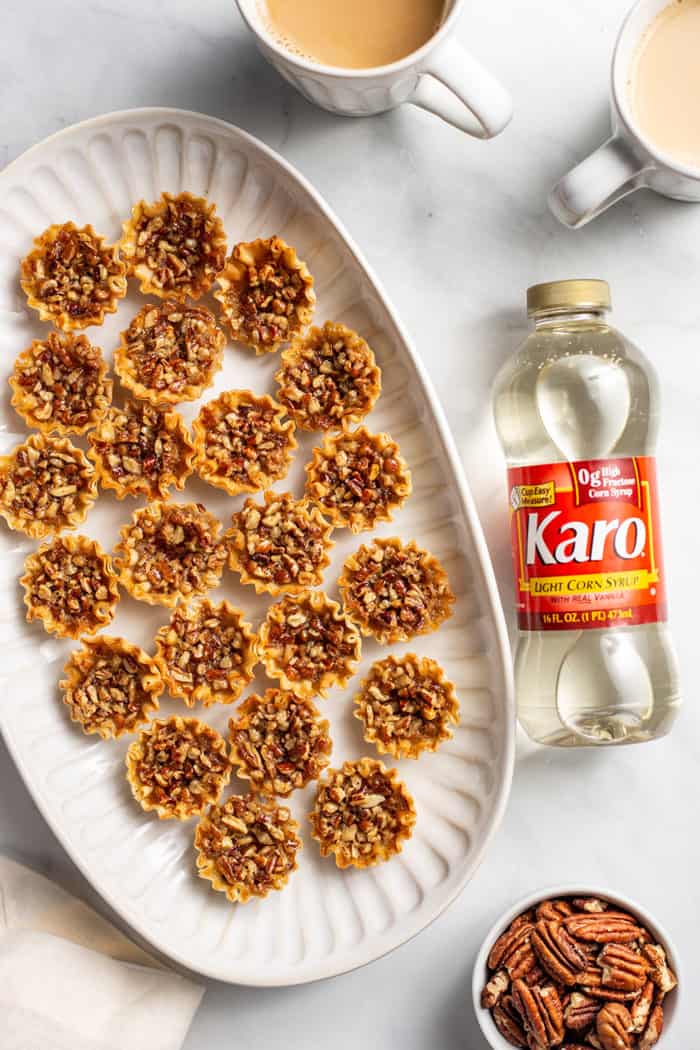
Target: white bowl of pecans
pixel 576 969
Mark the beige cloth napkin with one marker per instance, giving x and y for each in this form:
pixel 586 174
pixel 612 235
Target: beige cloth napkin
pixel 70 981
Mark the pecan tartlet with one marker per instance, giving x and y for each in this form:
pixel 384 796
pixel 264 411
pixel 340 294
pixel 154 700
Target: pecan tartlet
pixel 141 450
pixel 174 246
pixel 395 591
pixel 177 767
pixel 59 384
pixel 111 687
pixel 170 551
pixel 170 353
pixel 308 644
pixel 266 294
pixel 328 379
pixel 279 742
pixel 69 585
pixel 358 478
pixel 72 278
pixel 247 846
pixel 407 706
pixel 206 653
pixel 280 545
pixel 362 815
pixel 244 443
pixel 46 485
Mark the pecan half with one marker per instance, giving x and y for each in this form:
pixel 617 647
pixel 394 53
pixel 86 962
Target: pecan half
pixel 613 1027
pixel 605 928
pixel 558 952
pixel 504 943
pixel 554 911
pixel 508 1023
pixel 653 1029
pixel 623 969
pixel 660 972
pixel 581 1011
pixel 494 989
pixel 541 1011
pixel 590 904
pixel 641 1007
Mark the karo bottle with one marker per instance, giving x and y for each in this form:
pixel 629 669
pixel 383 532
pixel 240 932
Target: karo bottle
pixel 576 411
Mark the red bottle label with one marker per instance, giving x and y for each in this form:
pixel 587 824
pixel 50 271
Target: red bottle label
pixel 587 544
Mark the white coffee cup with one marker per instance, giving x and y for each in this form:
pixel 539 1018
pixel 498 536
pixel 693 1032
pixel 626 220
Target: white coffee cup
pixel 627 161
pixel 475 102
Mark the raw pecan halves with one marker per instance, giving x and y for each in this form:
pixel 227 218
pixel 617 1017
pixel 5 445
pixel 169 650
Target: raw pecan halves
pixel 541 1012
pixel 613 1027
pixel 622 968
pixel 605 928
pixel 558 952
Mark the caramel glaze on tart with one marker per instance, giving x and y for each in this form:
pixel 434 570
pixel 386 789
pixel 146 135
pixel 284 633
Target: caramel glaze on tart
pixel 111 687
pixel 72 278
pixel 177 767
pixel 141 450
pixel 328 378
pixel 395 591
pixel 243 442
pixel 266 294
pixel 247 847
pixel 279 742
pixel 279 545
pixel 69 585
pixel 358 478
pixel 206 653
pixel 406 706
pixel 174 246
pixel 46 485
pixel 308 644
pixel 170 353
pixel 362 815
pixel 170 551
pixel 59 384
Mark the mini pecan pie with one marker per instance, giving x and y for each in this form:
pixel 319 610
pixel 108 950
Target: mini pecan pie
pixel 46 485
pixel 358 478
pixel 308 644
pixel 141 449
pixel 362 814
pixel 59 384
pixel 243 442
pixel 177 767
pixel 69 585
pixel 406 706
pixel 279 545
pixel 170 551
pixel 206 652
pixel 175 246
pixel 266 294
pixel 170 353
pixel 395 591
pixel 111 687
pixel 328 379
pixel 72 277
pixel 279 742
pixel 247 846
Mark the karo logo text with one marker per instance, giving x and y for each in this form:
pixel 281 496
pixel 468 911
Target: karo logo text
pixel 581 543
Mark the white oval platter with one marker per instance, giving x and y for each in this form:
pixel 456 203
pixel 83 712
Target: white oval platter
pixel 326 921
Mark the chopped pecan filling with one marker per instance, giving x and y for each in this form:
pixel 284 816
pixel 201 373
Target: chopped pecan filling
pixel 406 706
pixel 69 584
pixel 207 653
pixel 170 352
pixel 362 815
pixel 328 378
pixel 110 686
pixel 175 246
pixel 141 449
pixel 243 442
pixel 46 485
pixel 178 766
pixel 308 644
pixel 358 478
pixel 395 591
pixel 59 384
pixel 266 293
pixel 280 545
pixel 279 742
pixel 247 847
pixel 170 551
pixel 576 972
pixel 72 277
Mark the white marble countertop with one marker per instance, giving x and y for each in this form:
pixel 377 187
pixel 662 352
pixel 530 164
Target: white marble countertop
pixel 456 229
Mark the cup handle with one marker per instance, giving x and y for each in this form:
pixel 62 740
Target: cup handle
pixel 608 175
pixel 478 104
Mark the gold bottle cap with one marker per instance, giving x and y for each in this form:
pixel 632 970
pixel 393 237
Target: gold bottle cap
pixel 566 296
